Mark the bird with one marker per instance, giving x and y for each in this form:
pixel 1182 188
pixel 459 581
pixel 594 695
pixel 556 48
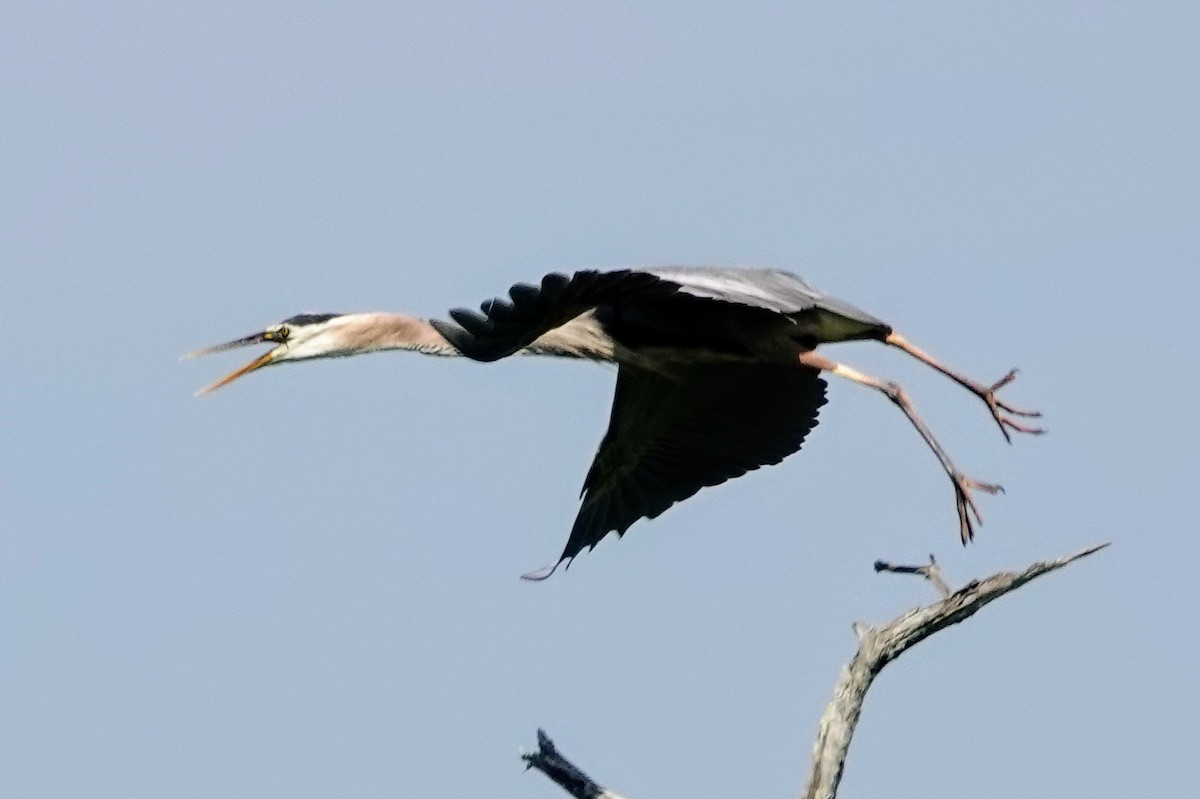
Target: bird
pixel 717 374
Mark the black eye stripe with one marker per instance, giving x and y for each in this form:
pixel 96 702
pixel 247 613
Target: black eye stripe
pixel 310 318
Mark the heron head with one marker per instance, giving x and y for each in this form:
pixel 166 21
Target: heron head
pixel 296 338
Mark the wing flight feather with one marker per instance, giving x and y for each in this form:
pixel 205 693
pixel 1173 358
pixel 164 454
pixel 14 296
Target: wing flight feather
pixel 502 327
pixel 670 436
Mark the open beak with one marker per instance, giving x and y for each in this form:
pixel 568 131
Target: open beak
pixel 257 363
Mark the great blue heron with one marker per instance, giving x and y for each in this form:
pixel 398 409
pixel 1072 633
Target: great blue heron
pixel 717 374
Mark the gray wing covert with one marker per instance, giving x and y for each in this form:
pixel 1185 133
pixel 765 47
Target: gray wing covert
pixel 772 289
pixel 669 437
pixel 506 326
pixel 775 290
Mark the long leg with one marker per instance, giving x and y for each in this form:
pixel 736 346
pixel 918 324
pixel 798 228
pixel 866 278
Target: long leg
pixel 963 485
pixel 1001 411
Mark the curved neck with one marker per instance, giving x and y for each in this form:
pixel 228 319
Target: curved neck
pixel 371 332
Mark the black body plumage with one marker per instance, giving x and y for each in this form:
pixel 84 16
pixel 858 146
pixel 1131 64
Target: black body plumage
pixel 696 403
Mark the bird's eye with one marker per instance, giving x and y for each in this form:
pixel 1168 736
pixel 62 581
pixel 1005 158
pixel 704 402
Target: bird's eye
pixel 279 334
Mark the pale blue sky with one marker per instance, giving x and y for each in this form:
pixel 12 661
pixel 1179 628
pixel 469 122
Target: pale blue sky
pixel 306 585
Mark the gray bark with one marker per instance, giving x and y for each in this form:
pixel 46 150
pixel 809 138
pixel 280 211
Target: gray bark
pixel 878 647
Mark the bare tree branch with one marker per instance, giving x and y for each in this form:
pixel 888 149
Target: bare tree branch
pixel 877 647
pixel 570 778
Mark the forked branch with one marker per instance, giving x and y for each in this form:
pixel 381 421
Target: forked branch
pixel 877 647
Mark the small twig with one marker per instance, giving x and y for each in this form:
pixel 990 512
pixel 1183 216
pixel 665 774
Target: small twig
pixel 930 572
pixel 566 774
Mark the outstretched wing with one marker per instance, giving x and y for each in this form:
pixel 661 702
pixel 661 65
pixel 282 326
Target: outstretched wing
pixel 505 326
pixel 670 436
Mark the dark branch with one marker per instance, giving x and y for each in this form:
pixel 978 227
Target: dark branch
pixel 570 778
pixel 930 572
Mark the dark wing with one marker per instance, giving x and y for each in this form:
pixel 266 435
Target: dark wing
pixel 671 436
pixel 506 326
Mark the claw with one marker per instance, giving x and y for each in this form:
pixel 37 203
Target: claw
pixel 997 407
pixel 963 486
pixel 1004 381
pixel 1004 406
pixel 1000 408
pixel 966 530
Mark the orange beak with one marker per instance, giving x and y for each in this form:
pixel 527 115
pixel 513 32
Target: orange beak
pixel 259 362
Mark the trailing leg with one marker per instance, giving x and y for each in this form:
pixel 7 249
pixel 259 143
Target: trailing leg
pixel 1001 411
pixel 963 485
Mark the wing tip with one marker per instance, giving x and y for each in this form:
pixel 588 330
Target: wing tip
pixel 543 574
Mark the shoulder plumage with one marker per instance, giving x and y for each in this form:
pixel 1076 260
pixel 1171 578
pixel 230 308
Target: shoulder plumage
pixel 504 326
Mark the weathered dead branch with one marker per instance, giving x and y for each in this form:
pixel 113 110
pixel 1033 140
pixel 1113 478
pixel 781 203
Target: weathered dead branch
pixel 877 647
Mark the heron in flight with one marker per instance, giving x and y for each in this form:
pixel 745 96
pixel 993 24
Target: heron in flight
pixel 717 374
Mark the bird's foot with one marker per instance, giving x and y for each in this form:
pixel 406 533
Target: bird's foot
pixel 963 486
pixel 1003 413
